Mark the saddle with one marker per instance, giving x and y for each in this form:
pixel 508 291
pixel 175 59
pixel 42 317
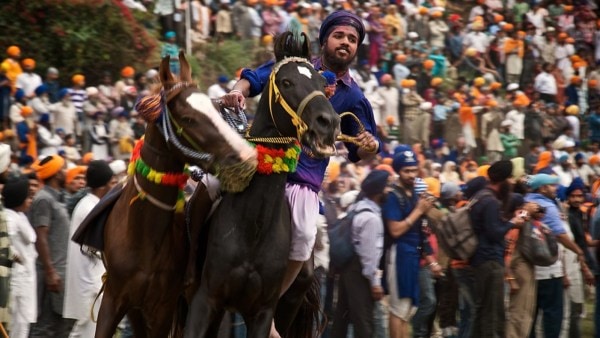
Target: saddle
pixel 91 231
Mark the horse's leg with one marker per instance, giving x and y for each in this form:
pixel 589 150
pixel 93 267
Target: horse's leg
pixel 286 321
pixel 110 314
pixel 259 324
pixel 138 323
pixel 203 320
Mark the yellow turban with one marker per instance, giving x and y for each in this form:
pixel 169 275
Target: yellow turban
pixel 483 170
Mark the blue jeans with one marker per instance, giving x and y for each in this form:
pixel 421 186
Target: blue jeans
pixel 466 302
pixel 427 304
pixel 550 302
pixel 238 326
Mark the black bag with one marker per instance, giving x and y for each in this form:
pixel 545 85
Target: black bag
pixel 341 248
pixel 537 244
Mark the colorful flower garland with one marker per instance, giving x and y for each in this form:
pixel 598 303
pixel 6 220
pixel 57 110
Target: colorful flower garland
pixel 277 161
pixel 136 164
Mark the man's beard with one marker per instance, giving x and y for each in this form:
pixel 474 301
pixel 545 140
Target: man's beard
pixel 336 64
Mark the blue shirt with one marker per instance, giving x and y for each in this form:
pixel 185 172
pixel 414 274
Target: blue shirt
pixel 348 97
pixel 552 217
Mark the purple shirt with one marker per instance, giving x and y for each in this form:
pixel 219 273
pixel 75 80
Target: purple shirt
pixel 347 97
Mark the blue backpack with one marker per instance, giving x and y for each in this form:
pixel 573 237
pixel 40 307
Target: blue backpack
pixel 341 248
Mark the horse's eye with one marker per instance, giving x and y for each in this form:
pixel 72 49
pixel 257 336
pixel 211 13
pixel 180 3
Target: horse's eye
pixel 286 83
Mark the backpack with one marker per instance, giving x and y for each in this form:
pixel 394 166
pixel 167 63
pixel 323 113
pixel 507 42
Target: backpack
pixel 341 248
pixel 454 231
pixel 537 244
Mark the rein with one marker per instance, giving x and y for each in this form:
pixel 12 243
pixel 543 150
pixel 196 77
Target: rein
pixel 295 115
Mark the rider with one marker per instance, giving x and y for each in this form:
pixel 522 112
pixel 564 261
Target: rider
pixel 340 36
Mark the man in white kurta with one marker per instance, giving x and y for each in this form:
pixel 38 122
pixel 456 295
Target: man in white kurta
pixel 23 283
pixel 84 272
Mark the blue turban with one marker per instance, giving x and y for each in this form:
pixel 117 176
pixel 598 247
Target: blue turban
pixel 223 79
pixel 41 89
pixel 62 93
pixel 44 118
pixel 576 184
pixel 170 35
pixel 579 156
pixel 375 182
pixel 341 18
pixel 19 94
pixel 404 157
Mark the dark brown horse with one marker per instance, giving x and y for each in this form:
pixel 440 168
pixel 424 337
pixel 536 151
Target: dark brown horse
pixel 146 243
pixel 249 233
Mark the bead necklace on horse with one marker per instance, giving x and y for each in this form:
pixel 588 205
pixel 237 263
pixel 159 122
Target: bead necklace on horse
pixel 144 241
pixel 249 233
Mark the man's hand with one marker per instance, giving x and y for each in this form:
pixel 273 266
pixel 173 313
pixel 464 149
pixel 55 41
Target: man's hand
pixel 566 282
pixel 436 270
pixel 234 99
pixel 367 142
pixel 53 281
pixel 588 276
pixel 424 204
pixel 377 292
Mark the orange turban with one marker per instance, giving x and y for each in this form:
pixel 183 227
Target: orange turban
pixel 543 161
pixel 78 79
pixel 563 36
pixel 594 159
pixel 436 14
pixel 568 8
pixel 388 161
pixel 575 80
pixel 428 64
pixel 592 83
pixel 570 40
pixel 423 10
pixel 575 58
pixel 28 62
pixel 498 18
pixel 508 27
pixel 521 101
pixel 127 71
pixel 386 167
pixel 49 166
pixel 267 39
pixel 434 186
pixel 521 34
pixel 492 103
pixel 390 120
pixel 400 57
pixel 483 171
pixel 74 172
pixel 495 85
pixel 478 18
pixel 13 51
pixel 26 111
pixel 87 158
pixel 436 81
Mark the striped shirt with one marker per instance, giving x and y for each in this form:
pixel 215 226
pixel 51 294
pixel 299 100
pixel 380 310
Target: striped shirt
pixel 78 97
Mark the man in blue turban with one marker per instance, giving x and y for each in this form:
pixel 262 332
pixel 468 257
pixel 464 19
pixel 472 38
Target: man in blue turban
pixel 340 35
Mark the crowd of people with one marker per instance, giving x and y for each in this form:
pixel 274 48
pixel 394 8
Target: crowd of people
pixel 497 101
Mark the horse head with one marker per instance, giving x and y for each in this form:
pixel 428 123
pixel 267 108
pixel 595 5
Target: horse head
pixel 295 98
pixel 192 127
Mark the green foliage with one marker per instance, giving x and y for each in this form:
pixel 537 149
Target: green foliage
pixel 213 59
pixel 79 36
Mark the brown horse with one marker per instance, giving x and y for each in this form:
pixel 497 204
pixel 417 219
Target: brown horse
pixel 249 233
pixel 146 243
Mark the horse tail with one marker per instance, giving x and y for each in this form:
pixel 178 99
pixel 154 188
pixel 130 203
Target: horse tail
pixel 310 320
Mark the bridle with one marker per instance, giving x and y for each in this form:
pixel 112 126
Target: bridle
pixel 172 130
pixel 275 96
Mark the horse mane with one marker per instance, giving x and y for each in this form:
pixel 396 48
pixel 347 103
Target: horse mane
pixel 291 44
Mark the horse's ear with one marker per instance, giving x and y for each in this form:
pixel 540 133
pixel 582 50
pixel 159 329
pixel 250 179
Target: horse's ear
pixel 164 72
pixel 280 46
pixel 305 48
pixel 186 70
